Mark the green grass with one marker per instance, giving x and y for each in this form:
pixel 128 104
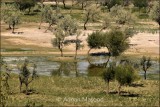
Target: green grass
pixel 54 91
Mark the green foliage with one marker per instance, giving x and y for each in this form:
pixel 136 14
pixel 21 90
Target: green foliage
pixel 121 15
pixel 116 42
pixel 95 40
pixel 91 14
pixel 125 75
pixel 109 74
pixel 140 3
pixel 68 25
pixel 111 3
pixel 10 15
pixel 26 4
pixel 106 21
pixel 155 12
pixel 65 27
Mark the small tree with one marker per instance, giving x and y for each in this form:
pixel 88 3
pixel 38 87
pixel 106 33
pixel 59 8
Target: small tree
pixel 77 44
pixel 140 3
pixel 91 14
pixel 106 22
pixel 65 27
pixel 146 64
pixel 155 12
pixel 10 15
pixel 122 16
pixel 26 4
pixel 24 75
pixel 125 75
pixel 111 3
pixel 59 40
pixel 109 74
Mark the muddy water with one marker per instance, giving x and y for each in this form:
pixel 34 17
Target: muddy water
pixel 71 69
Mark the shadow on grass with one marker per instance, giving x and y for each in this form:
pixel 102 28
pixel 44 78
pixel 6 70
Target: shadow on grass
pixel 31 14
pixel 125 94
pixel 137 85
pixel 30 92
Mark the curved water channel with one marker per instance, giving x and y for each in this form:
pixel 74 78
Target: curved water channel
pixel 70 69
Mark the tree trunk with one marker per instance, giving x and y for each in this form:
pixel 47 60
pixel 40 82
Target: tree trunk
pixel 108 87
pixel 56 3
pixel 106 63
pixel 82 5
pixel 48 28
pixel 61 52
pixel 13 28
pixel 86 21
pixel 9 27
pixel 119 89
pixel 75 55
pixel 26 89
pixel 145 76
pixel 64 5
pixel 29 10
pixel 40 23
pixel 89 51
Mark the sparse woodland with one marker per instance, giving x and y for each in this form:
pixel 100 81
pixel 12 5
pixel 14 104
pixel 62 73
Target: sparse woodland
pixel 75 34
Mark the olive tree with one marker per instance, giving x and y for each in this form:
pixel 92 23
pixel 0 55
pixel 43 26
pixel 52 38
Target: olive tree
pixel 24 75
pixel 140 3
pixel 109 74
pixel 26 4
pixel 115 41
pixel 65 27
pixel 91 14
pixel 106 22
pixel 155 12
pixel 10 15
pixel 146 64
pixel 125 75
pixel 95 41
pixel 111 3
pixel 122 16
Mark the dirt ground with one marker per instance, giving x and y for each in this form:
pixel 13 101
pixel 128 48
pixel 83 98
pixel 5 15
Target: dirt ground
pixel 141 43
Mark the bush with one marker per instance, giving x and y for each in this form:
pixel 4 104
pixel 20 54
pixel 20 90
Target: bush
pixel 125 75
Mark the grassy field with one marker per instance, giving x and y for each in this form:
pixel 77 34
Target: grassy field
pixel 58 91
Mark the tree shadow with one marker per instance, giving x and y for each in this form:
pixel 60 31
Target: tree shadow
pixel 125 94
pixel 99 54
pixel 18 32
pixel 136 85
pixel 31 14
pixel 30 92
pixel 130 95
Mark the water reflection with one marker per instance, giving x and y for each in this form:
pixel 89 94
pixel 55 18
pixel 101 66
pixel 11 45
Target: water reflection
pixel 83 67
